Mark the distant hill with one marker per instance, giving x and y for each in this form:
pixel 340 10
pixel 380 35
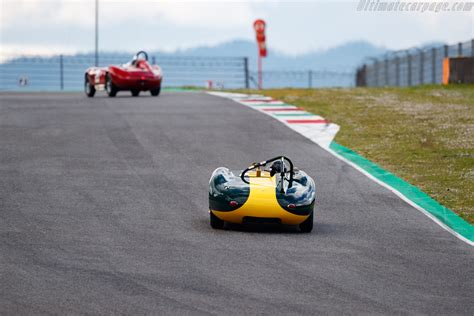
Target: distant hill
pixel 344 57
pixel 333 67
pixel 340 58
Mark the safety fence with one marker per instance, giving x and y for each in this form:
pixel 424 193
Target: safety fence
pixel 66 73
pixel 303 79
pixel 410 67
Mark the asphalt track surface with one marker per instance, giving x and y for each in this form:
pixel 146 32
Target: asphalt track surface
pixel 103 209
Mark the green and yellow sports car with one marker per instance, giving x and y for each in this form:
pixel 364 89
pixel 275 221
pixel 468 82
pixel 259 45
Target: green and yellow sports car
pixel 280 194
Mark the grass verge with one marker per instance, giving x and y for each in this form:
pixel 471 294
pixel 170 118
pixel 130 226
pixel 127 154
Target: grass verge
pixel 424 135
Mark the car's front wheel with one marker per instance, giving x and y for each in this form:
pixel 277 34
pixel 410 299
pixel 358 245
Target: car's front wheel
pixel 110 88
pixel 88 88
pixel 307 225
pixel 216 222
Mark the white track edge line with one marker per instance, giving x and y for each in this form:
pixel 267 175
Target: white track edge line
pixel 368 175
pixel 401 196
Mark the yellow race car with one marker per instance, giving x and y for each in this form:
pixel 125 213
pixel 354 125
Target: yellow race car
pixel 279 194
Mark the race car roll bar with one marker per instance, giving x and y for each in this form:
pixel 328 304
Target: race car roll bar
pixel 282 170
pixel 143 53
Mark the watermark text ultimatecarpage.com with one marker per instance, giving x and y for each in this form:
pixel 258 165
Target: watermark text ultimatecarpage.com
pixel 414 6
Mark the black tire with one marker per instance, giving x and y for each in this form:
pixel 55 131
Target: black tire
pixel 156 92
pixel 110 88
pixel 216 223
pixel 135 93
pixel 88 88
pixel 307 225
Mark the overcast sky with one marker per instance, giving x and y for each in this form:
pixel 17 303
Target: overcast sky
pixel 55 26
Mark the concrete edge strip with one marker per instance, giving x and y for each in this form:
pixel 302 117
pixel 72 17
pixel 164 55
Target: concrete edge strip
pixel 413 196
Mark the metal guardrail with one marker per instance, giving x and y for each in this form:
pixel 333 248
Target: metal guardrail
pixel 66 73
pixel 410 67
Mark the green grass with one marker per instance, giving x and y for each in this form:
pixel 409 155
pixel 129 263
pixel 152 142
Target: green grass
pixel 425 135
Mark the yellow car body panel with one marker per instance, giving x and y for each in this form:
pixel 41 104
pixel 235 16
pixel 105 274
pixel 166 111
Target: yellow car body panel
pixel 261 203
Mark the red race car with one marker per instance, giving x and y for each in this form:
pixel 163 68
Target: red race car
pixel 134 76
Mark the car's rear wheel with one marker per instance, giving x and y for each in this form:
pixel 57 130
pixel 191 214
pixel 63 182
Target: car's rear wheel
pixel 307 225
pixel 135 93
pixel 155 92
pixel 88 88
pixel 216 222
pixel 110 88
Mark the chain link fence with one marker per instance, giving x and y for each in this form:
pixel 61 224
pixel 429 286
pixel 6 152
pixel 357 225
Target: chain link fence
pixel 66 73
pixel 304 79
pixel 410 67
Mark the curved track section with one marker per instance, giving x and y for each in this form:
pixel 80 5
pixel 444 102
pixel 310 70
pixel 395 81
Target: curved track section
pixel 103 209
